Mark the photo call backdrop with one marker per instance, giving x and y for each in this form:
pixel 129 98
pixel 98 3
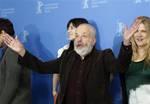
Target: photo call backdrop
pixel 41 26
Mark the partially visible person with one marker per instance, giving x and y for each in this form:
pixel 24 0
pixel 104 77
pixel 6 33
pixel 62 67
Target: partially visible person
pixel 71 28
pixel 134 61
pixel 84 71
pixel 14 80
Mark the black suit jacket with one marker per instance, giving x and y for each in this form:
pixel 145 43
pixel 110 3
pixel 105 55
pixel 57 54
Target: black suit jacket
pixel 98 73
pixel 14 80
pixel 124 60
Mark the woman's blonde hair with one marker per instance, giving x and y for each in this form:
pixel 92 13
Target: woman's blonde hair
pixel 146 21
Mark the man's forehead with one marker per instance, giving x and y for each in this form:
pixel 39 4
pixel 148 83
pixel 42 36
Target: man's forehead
pixel 82 28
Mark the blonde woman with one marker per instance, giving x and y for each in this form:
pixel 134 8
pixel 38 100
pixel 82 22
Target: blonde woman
pixel 134 60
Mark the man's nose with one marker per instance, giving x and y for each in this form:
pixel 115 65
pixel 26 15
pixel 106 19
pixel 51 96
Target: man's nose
pixel 79 39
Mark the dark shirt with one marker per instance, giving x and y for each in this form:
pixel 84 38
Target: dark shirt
pixel 76 85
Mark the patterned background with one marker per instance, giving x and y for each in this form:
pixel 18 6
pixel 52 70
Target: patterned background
pixel 41 26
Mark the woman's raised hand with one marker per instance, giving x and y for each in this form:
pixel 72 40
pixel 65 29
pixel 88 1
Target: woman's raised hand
pixel 128 32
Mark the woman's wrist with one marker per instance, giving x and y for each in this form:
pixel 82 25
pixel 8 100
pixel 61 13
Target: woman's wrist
pixel 126 42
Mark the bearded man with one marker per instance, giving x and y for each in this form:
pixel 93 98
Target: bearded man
pixel 84 72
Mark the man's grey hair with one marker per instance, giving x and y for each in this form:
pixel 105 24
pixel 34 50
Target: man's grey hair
pixel 91 28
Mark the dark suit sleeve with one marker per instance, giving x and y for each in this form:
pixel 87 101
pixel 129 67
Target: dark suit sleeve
pixel 11 79
pixel 109 60
pixel 109 63
pixel 35 64
pixel 124 57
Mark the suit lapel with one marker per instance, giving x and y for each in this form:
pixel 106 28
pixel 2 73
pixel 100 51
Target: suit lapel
pixel 69 67
pixel 66 72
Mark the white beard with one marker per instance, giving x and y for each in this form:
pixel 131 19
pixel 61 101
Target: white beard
pixel 84 51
